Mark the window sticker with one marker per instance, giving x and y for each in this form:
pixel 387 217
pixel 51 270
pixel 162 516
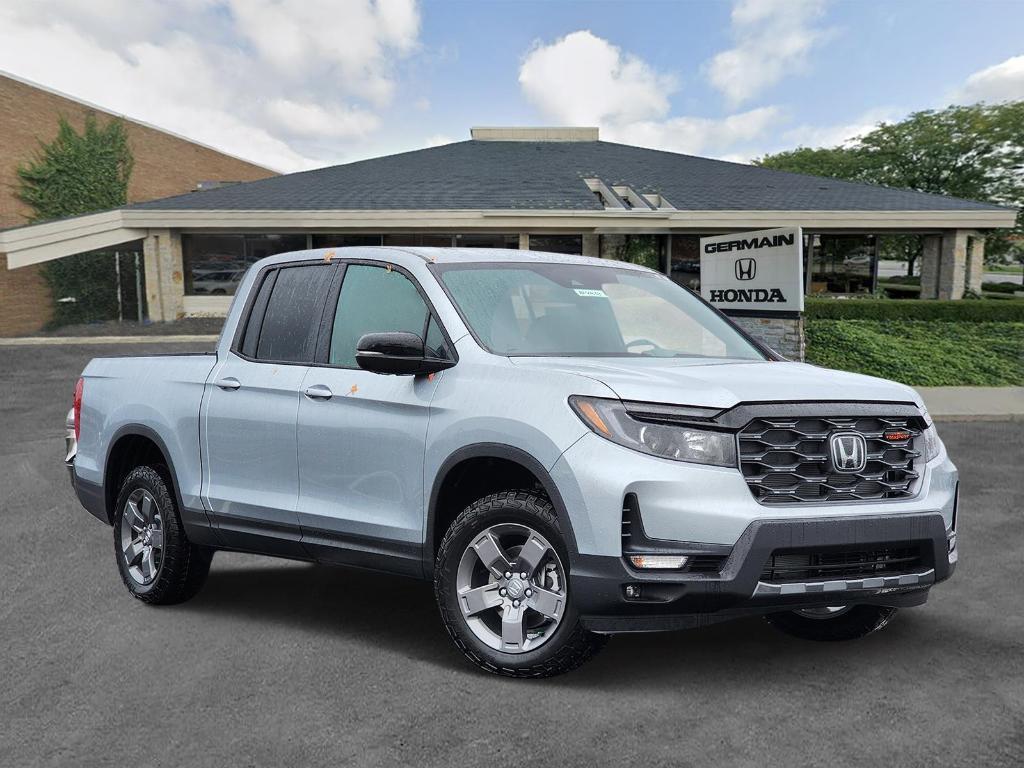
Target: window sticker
pixel 594 293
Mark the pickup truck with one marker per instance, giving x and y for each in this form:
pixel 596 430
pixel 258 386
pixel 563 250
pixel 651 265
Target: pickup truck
pixel 567 447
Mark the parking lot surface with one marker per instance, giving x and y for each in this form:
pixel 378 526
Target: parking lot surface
pixel 278 663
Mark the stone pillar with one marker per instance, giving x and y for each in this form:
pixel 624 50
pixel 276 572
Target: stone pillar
pixel 976 263
pixel 524 241
pixel 783 334
pixel 592 245
pixel 953 265
pixel 165 282
pixel 930 266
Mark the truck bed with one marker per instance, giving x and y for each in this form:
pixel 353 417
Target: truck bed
pixel 160 392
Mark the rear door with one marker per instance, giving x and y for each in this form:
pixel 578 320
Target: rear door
pixel 361 435
pixel 250 467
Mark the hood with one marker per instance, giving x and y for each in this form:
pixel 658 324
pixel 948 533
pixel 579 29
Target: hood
pixel 723 383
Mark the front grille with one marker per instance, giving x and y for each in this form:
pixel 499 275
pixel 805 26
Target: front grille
pixel 785 460
pixel 797 565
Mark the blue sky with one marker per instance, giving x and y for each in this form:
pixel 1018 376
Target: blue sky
pixel 300 83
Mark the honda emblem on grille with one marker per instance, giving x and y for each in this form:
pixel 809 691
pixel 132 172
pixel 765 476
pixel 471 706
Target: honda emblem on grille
pixel 745 269
pixel 849 451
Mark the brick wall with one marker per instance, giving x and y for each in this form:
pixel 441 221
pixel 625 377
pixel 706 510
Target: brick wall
pixel 784 335
pixel 164 165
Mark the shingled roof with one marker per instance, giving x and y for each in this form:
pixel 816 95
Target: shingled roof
pixel 544 175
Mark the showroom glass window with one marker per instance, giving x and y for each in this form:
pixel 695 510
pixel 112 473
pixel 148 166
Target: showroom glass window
pixel 685 261
pixel 649 251
pixel 214 264
pixel 557 243
pixel 842 263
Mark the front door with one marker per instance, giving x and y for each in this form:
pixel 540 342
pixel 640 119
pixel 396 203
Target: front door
pixel 361 435
pixel 250 470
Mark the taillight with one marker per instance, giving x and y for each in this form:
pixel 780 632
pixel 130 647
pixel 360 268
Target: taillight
pixel 78 407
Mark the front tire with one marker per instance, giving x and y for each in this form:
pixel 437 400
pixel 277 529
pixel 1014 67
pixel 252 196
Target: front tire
pixel 501 584
pixel 157 562
pixel 832 624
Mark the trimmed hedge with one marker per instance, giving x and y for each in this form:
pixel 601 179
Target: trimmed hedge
pixel 1006 286
pixel 967 311
pixel 921 353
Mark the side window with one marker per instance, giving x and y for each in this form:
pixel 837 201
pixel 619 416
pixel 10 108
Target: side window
pixel 292 318
pixel 435 344
pixel 373 300
pixel 259 309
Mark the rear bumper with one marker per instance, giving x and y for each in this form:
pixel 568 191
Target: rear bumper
pixel 90 494
pixel 677 600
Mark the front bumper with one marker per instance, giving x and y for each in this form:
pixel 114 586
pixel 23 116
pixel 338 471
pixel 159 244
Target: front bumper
pixel 677 600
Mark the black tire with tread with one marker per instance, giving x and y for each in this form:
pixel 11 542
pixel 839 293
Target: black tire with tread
pixel 859 621
pixel 571 646
pixel 184 565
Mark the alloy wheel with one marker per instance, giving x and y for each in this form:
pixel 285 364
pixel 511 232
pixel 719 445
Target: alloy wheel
pixel 511 588
pixel 142 537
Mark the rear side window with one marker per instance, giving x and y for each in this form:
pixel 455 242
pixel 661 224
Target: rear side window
pixel 374 300
pixel 294 303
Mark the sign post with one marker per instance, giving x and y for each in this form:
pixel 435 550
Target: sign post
pixel 754 272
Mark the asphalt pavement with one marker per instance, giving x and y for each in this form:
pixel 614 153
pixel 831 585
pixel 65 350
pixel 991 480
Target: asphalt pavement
pixel 279 663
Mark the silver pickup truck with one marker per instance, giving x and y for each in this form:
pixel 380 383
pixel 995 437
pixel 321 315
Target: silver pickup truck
pixel 568 447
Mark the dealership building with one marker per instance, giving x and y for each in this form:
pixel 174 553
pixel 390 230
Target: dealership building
pixel 164 164
pixel 552 189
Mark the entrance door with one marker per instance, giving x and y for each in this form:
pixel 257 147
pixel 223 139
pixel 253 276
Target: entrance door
pixel 249 414
pixel 361 435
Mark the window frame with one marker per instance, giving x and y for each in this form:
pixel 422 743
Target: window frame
pixel 323 347
pixel 270 272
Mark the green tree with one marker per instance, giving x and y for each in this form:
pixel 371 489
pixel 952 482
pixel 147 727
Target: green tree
pixel 75 174
pixel 974 152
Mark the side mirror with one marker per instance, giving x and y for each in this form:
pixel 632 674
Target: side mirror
pixel 398 353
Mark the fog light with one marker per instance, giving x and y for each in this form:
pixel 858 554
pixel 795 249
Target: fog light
pixel 950 541
pixel 658 562
pixel 632 591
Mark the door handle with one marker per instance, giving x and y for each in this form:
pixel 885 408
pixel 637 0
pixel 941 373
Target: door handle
pixel 229 384
pixel 318 392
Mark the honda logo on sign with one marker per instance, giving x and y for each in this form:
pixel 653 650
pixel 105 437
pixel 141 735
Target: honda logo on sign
pixel 758 271
pixel 745 269
pixel 849 451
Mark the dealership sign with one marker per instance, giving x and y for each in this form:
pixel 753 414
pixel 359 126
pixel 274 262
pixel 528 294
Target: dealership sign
pixel 760 271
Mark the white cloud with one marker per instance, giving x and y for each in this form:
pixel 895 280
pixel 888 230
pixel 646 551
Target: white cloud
pixel 841 133
pixel 582 79
pixel 316 121
pixel 699 135
pixel 352 40
pixel 773 39
pixel 1000 82
pixel 438 140
pixel 281 82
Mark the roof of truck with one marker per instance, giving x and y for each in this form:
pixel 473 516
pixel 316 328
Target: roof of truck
pixel 451 256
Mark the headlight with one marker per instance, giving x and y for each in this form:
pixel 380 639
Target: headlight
pixel 932 444
pixel 610 420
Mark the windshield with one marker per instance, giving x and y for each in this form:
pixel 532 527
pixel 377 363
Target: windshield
pixel 559 310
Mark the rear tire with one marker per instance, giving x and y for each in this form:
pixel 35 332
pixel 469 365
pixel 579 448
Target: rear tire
pixel 551 641
pixel 851 624
pixel 157 562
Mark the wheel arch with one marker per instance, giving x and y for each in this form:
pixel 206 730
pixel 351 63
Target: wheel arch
pixel 129 443
pixel 449 474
